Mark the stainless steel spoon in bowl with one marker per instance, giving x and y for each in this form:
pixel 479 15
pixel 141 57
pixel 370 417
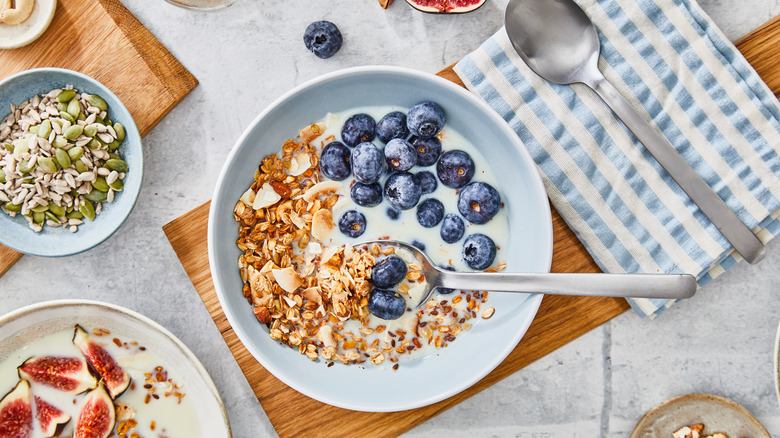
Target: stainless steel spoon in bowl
pixel 559 43
pixel 671 286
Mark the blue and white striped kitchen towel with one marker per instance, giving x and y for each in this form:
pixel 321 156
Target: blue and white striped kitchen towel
pixel 678 69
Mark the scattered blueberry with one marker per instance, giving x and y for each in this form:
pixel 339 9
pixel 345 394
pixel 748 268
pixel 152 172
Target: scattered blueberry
pixel 334 161
pixel 427 181
pixel 366 195
pixel 479 251
pixel 428 150
pixel 425 119
pixel 430 212
pixel 368 164
pixel 400 154
pixel 323 39
pixel 393 213
pixel 386 304
pixel 455 169
pixel 452 228
pixel 388 272
pixel 419 245
pixel 352 223
pixel 402 191
pixel 478 202
pixel 358 129
pixel 392 125
pixel 446 290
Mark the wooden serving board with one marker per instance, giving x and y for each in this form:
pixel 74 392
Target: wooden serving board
pixel 102 39
pixel 560 318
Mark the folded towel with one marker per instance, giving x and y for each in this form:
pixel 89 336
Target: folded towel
pixel 676 67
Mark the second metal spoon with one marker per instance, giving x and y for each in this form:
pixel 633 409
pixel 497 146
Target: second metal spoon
pixel 560 43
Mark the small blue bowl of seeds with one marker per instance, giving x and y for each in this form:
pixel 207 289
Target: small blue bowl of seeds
pixel 71 162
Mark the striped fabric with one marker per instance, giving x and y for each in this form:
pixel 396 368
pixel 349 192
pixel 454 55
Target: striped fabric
pixel 674 65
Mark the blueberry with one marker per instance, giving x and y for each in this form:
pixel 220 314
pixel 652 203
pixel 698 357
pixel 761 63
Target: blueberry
pixel 427 182
pixel 430 212
pixel 393 213
pixel 357 129
pixel 402 191
pixel 368 164
pixel 334 161
pixel 323 39
pixel 388 272
pixel 478 202
pixel 425 119
pixel 428 150
pixel 452 228
pixel 419 245
pixel 400 154
pixel 479 251
pixel 446 290
pixel 352 223
pixel 386 304
pixel 455 169
pixel 392 125
pixel 367 195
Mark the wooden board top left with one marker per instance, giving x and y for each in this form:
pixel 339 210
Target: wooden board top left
pixel 102 39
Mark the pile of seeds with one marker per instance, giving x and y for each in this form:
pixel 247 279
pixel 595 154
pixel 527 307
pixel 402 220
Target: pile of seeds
pixel 313 297
pixel 58 160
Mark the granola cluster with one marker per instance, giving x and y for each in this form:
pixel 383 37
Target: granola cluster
pixel 314 297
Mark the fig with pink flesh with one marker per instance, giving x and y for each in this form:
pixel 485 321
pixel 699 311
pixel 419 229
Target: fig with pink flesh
pixel 68 374
pixel 51 418
pixel 16 419
pixel 96 416
pixel 116 379
pixel 446 6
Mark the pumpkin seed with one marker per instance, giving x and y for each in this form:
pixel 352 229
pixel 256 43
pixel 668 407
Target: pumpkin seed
pixel 62 157
pixel 90 130
pixel 65 96
pixel 117 185
pixel 44 129
pixel 56 209
pixel 74 215
pixel 2 176
pixel 47 164
pixel 96 195
pixel 24 166
pixel 64 115
pixel 62 107
pixel 51 216
pixel 40 208
pixel 117 164
pixel 98 101
pixel 73 131
pixel 38 217
pixel 100 184
pixel 81 167
pixel 75 153
pixel 13 207
pixel 120 132
pixel 86 208
pixel 9 147
pixel 59 142
pixel 74 109
pixel 34 129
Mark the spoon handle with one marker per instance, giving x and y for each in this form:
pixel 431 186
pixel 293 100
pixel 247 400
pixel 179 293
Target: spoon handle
pixel 669 286
pixel 725 220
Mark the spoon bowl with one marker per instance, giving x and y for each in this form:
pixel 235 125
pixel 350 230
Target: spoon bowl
pixel 668 286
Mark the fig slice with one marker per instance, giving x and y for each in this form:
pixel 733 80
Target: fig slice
pixel 16 419
pixel 51 418
pixel 115 378
pixel 446 6
pixel 96 416
pixel 68 374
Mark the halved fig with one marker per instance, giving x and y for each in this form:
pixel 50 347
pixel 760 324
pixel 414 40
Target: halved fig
pixel 446 6
pixel 16 419
pixel 68 374
pixel 116 379
pixel 51 418
pixel 96 416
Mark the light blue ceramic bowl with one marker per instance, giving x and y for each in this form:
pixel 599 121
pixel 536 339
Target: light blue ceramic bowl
pixel 474 353
pixel 55 242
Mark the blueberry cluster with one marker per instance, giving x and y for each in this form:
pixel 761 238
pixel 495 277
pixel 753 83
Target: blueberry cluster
pixel 395 174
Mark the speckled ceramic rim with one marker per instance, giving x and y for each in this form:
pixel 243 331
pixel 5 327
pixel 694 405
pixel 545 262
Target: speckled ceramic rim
pixel 129 196
pixel 107 307
pixel 36 31
pixel 545 254
pixel 637 432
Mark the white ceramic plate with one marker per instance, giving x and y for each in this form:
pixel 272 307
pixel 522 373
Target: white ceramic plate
pixel 777 363
pixel 718 414
pixel 27 324
pixel 528 246
pixel 30 29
